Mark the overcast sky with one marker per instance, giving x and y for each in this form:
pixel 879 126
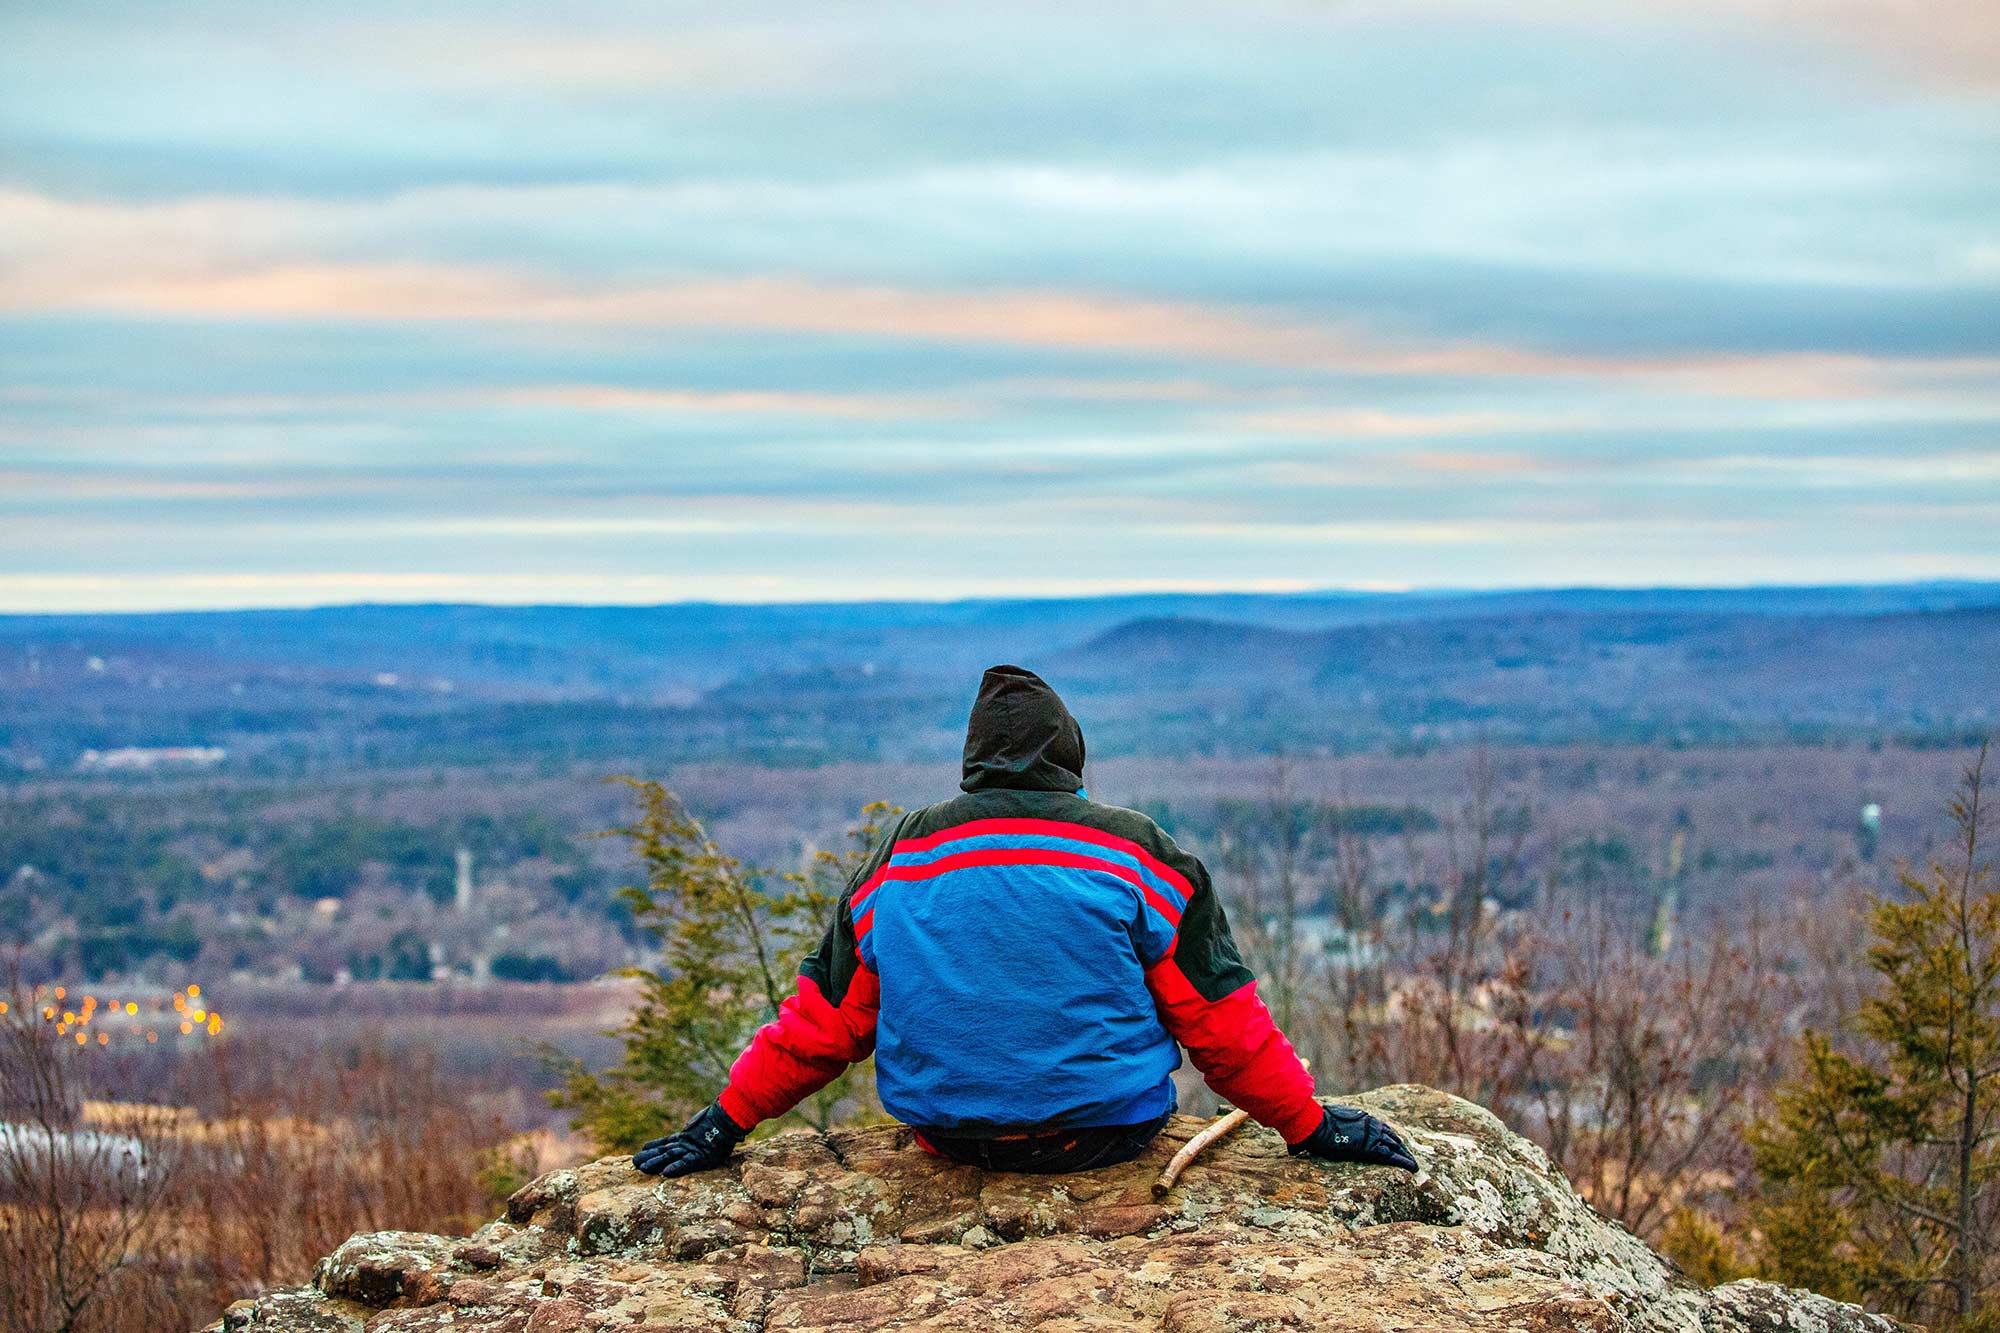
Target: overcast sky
pixel 303 304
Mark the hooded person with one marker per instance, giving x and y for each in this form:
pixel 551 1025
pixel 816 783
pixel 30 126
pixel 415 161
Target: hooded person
pixel 1026 963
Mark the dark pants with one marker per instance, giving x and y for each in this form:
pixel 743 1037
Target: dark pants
pixel 1047 1153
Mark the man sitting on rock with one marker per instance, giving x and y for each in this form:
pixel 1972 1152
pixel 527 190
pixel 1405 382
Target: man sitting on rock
pixel 1022 961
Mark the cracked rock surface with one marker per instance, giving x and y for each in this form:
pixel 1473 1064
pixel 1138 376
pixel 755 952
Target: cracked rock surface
pixel 860 1229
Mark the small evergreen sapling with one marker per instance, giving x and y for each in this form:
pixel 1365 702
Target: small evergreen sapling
pixel 1881 1163
pixel 730 938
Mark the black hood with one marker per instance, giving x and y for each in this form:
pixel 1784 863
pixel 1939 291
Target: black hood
pixel 1020 736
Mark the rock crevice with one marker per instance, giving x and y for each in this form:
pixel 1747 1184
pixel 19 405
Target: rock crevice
pixel 861 1230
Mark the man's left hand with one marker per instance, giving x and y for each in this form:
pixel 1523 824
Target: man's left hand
pixel 1348 1135
pixel 704 1144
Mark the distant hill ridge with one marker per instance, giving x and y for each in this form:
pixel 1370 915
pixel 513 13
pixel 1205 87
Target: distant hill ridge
pixel 700 644
pixel 1156 674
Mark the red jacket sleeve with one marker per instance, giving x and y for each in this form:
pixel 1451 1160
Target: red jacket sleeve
pixel 1207 1000
pixel 821 1029
pixel 805 1049
pixel 1238 1048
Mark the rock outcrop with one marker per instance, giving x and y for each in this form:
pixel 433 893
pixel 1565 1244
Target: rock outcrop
pixel 860 1229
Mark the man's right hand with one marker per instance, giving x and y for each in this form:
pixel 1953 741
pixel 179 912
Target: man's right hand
pixel 1347 1135
pixel 704 1144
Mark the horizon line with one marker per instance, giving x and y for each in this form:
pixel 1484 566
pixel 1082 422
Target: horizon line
pixel 1109 593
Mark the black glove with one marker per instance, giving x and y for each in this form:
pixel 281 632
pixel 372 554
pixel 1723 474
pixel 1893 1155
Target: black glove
pixel 704 1145
pixel 1347 1135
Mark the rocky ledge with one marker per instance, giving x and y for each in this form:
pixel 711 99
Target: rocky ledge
pixel 860 1229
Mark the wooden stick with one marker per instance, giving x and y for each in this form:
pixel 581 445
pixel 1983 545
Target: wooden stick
pixel 1217 1128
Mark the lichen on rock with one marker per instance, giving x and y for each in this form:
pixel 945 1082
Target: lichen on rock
pixel 860 1230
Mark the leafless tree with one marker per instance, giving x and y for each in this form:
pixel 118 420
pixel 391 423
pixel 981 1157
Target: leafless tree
pixel 1644 1098
pixel 1461 1013
pixel 82 1204
pixel 255 1160
pixel 1267 855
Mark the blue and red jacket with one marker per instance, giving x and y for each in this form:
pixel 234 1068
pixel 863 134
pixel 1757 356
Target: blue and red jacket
pixel 1021 957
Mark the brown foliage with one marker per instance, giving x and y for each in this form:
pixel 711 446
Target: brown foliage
pixel 118 1216
pixel 1634 1062
pixel 83 1208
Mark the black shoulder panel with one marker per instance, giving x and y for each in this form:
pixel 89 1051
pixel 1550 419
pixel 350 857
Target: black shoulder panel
pixel 1205 950
pixel 833 964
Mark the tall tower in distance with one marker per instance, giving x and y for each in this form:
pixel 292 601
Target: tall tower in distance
pixel 1870 832
pixel 463 897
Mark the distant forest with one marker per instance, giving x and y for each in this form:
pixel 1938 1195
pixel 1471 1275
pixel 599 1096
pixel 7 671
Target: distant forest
pixel 288 794
pixel 293 692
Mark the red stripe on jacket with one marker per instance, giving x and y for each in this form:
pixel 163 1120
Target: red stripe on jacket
pixel 803 1050
pixel 1049 828
pixel 1238 1048
pixel 1023 856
